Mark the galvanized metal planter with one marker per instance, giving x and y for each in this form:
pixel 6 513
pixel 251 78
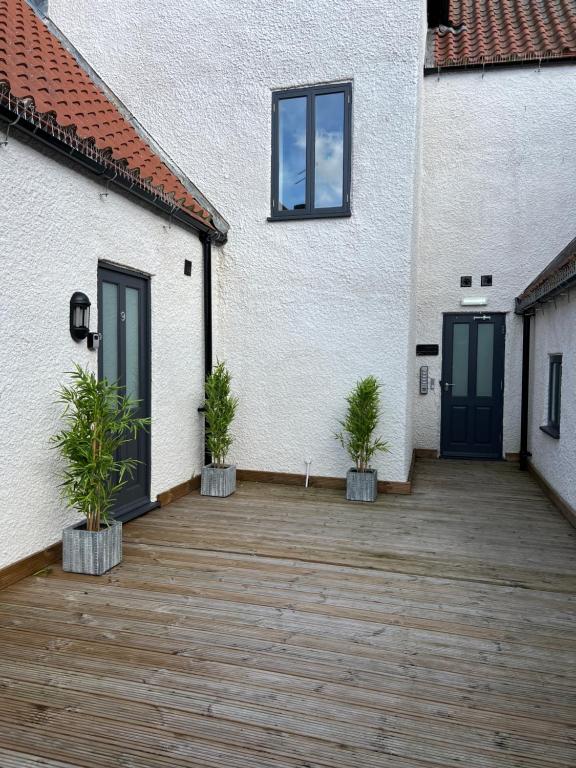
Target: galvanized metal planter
pixel 91 552
pixel 218 481
pixel 361 486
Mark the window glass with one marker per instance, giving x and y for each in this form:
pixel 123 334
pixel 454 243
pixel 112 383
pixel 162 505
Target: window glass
pixel 329 151
pixel 460 353
pixel 485 360
pixel 292 154
pixel 132 344
pixel 554 390
pixel 311 152
pixel 110 332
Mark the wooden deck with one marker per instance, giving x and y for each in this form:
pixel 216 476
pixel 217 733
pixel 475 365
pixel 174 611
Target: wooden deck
pixel 285 628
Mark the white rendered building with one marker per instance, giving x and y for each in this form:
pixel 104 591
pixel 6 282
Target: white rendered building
pixel 310 192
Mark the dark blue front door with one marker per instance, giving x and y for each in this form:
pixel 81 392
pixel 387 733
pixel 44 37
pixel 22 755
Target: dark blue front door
pixel 473 385
pixel 124 358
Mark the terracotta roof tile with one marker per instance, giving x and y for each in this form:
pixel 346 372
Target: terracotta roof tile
pixel 491 31
pixel 35 64
pixel 566 256
pixel 559 273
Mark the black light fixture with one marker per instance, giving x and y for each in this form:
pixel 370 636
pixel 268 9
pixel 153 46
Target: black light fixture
pixel 79 316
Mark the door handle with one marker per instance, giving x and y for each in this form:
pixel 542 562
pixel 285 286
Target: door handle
pixel 447 385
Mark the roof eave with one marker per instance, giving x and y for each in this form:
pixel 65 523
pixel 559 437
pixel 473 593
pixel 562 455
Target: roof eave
pixel 125 182
pixel 549 288
pixel 431 67
pixel 221 226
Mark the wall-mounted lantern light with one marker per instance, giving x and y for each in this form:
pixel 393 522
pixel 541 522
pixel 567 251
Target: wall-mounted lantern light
pixel 79 316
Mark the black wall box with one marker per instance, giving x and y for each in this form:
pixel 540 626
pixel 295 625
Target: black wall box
pixel 427 349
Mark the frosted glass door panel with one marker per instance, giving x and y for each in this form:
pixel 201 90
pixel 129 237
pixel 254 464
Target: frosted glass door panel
pixel 110 331
pixel 132 343
pixel 485 360
pixel 460 355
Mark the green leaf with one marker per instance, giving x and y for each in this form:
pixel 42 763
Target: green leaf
pixel 360 423
pixel 98 420
pixel 219 410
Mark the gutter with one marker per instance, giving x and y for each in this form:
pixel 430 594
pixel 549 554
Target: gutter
pixel 219 221
pixel 123 181
pixel 127 184
pixel 524 453
pixel 550 284
pixel 208 332
pixel 435 69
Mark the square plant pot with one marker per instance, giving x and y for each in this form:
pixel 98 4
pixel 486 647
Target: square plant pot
pixel 91 552
pixel 361 486
pixel 218 481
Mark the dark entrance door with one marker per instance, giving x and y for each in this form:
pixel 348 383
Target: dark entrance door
pixel 124 357
pixel 473 385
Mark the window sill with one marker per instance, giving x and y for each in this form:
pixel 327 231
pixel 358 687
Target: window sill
pixel 316 215
pixel 552 431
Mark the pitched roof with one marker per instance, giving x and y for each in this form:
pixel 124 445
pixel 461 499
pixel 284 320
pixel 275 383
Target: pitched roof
pixel 43 81
pixel 559 273
pixel 497 31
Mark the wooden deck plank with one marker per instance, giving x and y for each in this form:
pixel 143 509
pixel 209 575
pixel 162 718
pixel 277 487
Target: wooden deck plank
pixel 285 628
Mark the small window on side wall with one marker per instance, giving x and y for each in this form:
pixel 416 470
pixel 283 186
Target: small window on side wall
pixel 311 152
pixel 554 396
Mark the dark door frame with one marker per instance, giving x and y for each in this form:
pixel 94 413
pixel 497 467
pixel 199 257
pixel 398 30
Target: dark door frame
pixel 138 507
pixel 498 376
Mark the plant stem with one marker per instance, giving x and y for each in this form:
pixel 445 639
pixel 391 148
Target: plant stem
pixel 94 521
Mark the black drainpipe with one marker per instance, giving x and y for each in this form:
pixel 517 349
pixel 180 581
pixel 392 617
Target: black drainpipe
pixel 524 455
pixel 207 264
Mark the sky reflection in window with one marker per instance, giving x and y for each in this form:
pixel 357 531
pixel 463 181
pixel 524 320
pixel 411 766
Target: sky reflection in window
pixel 329 147
pixel 292 154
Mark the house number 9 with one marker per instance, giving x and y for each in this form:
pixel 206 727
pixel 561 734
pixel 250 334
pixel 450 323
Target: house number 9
pixel 123 316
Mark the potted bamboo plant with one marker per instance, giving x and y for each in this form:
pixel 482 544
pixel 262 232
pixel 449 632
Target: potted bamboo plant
pixel 219 478
pixel 98 420
pixel 357 436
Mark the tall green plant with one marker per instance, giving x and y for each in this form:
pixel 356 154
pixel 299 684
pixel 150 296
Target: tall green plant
pixel 220 409
pixel 98 420
pixel 360 422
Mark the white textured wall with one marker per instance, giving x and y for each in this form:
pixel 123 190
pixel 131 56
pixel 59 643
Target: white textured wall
pixel 305 308
pixel 498 197
pixel 553 333
pixel 55 228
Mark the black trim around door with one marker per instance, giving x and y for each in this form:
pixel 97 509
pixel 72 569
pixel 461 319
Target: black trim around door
pixel 123 313
pixel 472 385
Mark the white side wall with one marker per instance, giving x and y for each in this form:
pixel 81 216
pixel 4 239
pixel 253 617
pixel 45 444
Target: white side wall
pixel 305 308
pixel 55 229
pixel 498 197
pixel 553 333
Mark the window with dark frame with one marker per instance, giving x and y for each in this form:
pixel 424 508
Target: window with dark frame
pixel 554 396
pixel 311 152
